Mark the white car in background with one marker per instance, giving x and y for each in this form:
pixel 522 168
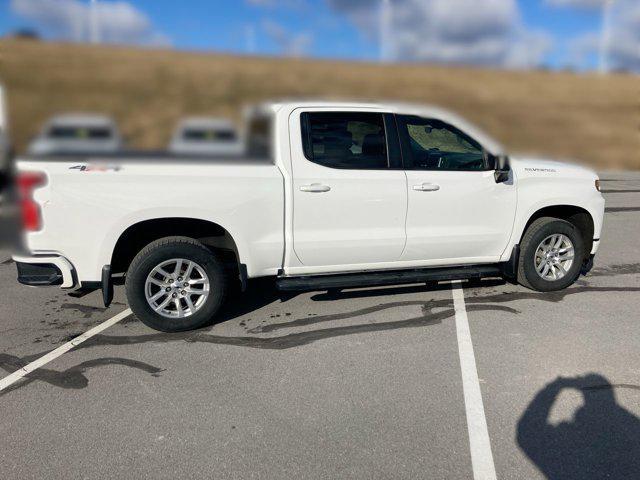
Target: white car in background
pixel 77 133
pixel 206 136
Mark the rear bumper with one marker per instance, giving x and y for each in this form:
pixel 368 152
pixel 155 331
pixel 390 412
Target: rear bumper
pixel 45 270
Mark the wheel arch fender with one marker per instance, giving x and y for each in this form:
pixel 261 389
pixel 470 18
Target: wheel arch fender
pixel 149 225
pixel 579 214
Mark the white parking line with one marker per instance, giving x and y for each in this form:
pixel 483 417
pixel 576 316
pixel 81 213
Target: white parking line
pixel 18 374
pixel 481 456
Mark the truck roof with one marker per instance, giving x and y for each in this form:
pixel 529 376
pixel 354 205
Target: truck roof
pixel 403 108
pixel 206 122
pixel 83 119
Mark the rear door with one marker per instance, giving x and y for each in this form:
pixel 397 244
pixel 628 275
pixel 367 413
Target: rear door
pixel 349 190
pixel 457 212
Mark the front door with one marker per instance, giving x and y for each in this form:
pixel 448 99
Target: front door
pixel 457 212
pixel 349 194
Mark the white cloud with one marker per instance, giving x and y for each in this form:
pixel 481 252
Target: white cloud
pixel 586 4
pixel 116 21
pixel 290 44
pixel 624 43
pixel 488 32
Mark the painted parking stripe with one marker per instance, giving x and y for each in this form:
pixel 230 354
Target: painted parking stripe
pixel 481 456
pixel 18 374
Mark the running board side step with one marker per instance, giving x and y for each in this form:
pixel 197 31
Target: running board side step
pixel 390 277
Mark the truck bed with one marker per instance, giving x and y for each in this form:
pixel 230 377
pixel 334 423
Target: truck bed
pixel 89 201
pixel 136 156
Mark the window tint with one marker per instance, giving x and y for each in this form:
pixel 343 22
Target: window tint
pixel 209 135
pixel 435 145
pixel 259 136
pixel 79 132
pixel 345 139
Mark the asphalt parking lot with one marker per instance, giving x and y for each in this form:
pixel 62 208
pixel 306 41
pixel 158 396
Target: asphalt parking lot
pixel 362 383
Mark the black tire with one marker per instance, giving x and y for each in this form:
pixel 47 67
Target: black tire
pixel 165 249
pixel 540 229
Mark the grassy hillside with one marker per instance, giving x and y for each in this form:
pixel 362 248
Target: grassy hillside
pixel 589 118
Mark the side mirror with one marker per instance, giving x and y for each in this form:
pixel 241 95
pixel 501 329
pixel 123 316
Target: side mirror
pixel 501 173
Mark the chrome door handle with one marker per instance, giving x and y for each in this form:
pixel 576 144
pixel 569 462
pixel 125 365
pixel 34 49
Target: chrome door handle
pixel 315 188
pixel 426 187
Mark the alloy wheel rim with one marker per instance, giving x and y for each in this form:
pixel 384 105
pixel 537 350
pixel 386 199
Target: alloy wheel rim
pixel 177 288
pixel 554 257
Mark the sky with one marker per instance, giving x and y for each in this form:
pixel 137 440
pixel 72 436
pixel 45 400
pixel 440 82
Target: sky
pixel 494 33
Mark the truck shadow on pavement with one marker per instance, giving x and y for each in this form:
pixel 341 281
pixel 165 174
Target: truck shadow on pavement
pixel 475 297
pixel 621 209
pixel 428 317
pixel 74 378
pixel 432 312
pixel 71 378
pixel 602 440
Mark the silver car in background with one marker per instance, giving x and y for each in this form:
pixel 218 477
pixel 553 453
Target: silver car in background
pixel 206 136
pixel 77 133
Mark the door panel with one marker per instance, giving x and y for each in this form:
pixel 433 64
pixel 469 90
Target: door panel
pixel 468 216
pixel 456 210
pixel 344 215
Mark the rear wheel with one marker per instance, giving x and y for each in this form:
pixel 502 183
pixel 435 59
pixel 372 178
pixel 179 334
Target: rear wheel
pixel 175 284
pixel 551 254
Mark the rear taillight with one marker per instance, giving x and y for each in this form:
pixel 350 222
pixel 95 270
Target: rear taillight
pixel 598 185
pixel 27 182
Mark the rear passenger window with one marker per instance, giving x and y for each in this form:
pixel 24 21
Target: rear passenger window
pixel 350 140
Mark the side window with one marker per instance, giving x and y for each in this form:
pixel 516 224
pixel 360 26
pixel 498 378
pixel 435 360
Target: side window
pixel 208 135
pixel 259 136
pixel 351 140
pixel 435 145
pixel 81 133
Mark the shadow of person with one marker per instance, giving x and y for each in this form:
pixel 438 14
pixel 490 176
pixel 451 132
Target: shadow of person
pixel 602 440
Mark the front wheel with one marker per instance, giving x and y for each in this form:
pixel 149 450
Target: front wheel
pixel 551 254
pixel 175 284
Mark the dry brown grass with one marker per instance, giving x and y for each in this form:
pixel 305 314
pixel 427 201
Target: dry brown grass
pixel 585 117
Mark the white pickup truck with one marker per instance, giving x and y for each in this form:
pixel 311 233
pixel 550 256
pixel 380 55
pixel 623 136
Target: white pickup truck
pixel 330 195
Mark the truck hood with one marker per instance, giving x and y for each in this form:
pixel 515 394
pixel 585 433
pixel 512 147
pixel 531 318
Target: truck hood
pixel 539 167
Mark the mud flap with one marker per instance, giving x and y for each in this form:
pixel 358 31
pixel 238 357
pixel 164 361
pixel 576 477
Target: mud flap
pixel 587 265
pixel 510 267
pixel 107 285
